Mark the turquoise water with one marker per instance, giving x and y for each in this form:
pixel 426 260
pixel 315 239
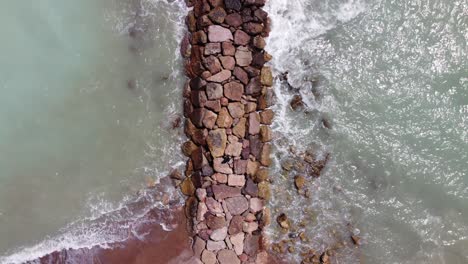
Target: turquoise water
pixel 85 111
pixel 391 78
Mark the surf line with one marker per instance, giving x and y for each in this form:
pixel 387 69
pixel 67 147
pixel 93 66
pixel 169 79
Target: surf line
pixel 227 121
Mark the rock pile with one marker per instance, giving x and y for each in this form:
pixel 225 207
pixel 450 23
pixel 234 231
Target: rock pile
pixel 226 102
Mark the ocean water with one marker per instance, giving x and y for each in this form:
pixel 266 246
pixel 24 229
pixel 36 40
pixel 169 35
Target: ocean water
pixel 89 93
pixel 390 78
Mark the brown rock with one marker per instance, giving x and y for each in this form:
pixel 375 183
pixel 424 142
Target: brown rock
pixel 252 167
pixel 201 211
pixel 221 167
pixel 258 59
pixel 198 98
pixel 228 49
pixel 215 222
pixel 197 116
pixel 198 158
pixel 243 56
pixel 299 181
pixel 233 91
pixel 236 110
pixel 356 240
pixel 283 221
pixel 217 15
pixel 197 83
pixel 215 208
pixel 241 75
pixel 255 146
pixel 222 191
pixel 239 128
pixel 234 149
pixel 220 178
pixel 228 256
pixel 187 187
pixel 234 20
pixel 266 117
pixel 250 107
pixel 266 77
pixel 199 37
pixel 249 227
pixel 214 91
pixel 254 123
pixel 261 175
pixel 254 87
pixel 264 190
pixel 199 136
pixel 296 102
pixel 224 119
pixel 188 147
pixel 235 227
pixel 208 257
pixel 215 3
pixel 212 49
pixel 198 246
pixel 219 34
pixel 266 99
pixel 203 22
pixel 233 4
pixel 214 105
pixel 216 141
pixel 210 119
pixel 259 42
pixel 253 28
pixel 185 48
pixel 261 14
pixel 265 159
pixel 236 180
pixel 220 77
pixel 228 62
pixel 265 134
pixel 241 38
pixel 240 166
pixel 191 21
pixel 251 188
pixel 212 64
pixel 237 205
pixel 251 244
pixel 252 71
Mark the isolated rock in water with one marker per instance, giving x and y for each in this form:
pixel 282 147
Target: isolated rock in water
pixel 219 34
pixel 296 102
pixel 299 181
pixel 283 221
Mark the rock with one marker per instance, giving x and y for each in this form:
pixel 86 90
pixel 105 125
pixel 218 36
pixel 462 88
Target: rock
pixel 210 119
pixel 228 62
pixel 224 119
pixel 201 194
pixel 256 205
pixel 264 190
pixel 185 48
pixel 283 221
pixel 243 56
pixel 296 102
pixel 233 4
pixel 188 147
pixel 237 205
pixel 219 34
pixel 215 222
pixel 236 110
pixel 241 38
pixel 254 87
pixel 255 146
pixel 252 71
pixel 199 136
pixel 265 159
pixel 236 180
pixel 262 258
pixel 220 77
pixel 212 64
pixel 262 175
pixel 212 49
pixel 176 175
pixel 233 91
pixel 251 244
pixel 356 240
pixel 214 105
pixel 258 59
pixel 198 98
pixel 252 167
pixel 217 15
pixel 220 178
pixel 213 206
pixel 240 128
pixel 249 227
pixel 237 241
pixel 266 77
pixel 251 188
pixel 254 123
pixel 228 256
pixel 197 83
pixel 228 49
pixel 215 245
pixel 240 166
pixel 216 141
pixel 198 246
pixel 187 187
pixel 199 37
pixel 234 149
pixel 266 117
pixel 241 75
pixel 259 42
pixel 265 134
pixel 214 91
pixel 203 22
pixel 234 20
pixel 222 191
pixel 191 21
pixel 197 116
pixel 235 227
pixel 201 211
pixel 215 3
pixel 219 234
pixel 208 257
pixel 221 167
pixel 266 217
pixel 253 28
pixel 299 182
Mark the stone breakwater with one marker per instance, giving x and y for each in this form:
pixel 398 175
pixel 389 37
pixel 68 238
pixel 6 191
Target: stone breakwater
pixel 226 102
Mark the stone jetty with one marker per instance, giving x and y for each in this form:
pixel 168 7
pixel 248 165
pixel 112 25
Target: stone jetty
pixel 226 101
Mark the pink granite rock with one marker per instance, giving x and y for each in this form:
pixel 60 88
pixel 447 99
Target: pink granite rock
pixel 220 77
pixel 221 167
pixel 237 241
pixel 233 149
pixel 256 205
pixel 233 91
pixel 212 49
pixel 219 34
pixel 236 110
pixel 214 91
pixel 241 38
pixel 208 257
pixel 227 256
pixel 243 56
pixel 210 119
pixel 222 191
pixel 228 49
pixel 219 234
pixel 254 123
pixel 213 206
pixel 237 205
pixel 249 227
pixel 198 246
pixel 228 62
pixel 215 245
pixel 236 180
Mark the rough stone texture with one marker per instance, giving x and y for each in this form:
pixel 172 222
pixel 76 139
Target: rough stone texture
pixel 228 257
pixel 236 110
pixel 214 206
pixel 241 75
pixel 254 123
pixel 241 38
pixel 234 20
pixel 214 91
pixel 256 205
pixel 208 257
pixel 222 191
pixel 216 141
pixel 198 246
pixel 224 118
pixel 221 167
pixel 233 4
pixel 228 49
pixel 237 205
pixel 212 49
pixel 243 56
pixel 236 180
pixel 240 128
pixel 220 77
pixel 251 244
pixel 219 34
pixel 215 245
pixel 233 91
pixel 219 234
pixel 217 15
pixel 228 62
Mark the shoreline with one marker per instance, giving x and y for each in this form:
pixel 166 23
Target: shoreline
pixel 226 101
